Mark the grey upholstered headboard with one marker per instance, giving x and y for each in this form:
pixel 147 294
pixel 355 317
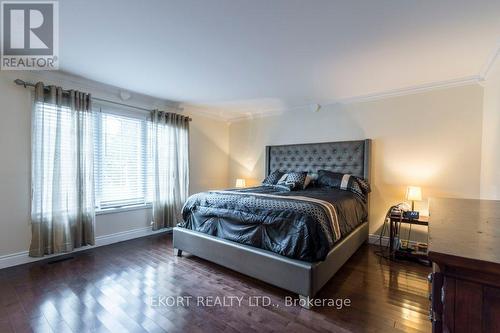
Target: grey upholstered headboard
pixel 352 157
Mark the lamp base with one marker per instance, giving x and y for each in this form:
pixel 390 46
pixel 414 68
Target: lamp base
pixel 411 215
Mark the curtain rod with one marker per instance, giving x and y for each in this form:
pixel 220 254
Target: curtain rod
pixel 25 84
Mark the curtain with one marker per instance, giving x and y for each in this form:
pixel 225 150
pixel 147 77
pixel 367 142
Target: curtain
pixel 170 167
pixel 62 206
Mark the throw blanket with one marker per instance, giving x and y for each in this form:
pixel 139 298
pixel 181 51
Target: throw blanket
pixel 297 226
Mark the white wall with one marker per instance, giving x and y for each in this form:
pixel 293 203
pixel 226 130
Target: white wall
pixel 208 157
pixel 430 139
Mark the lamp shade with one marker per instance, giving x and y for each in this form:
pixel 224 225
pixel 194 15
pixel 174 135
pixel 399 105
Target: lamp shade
pixel 240 182
pixel 414 193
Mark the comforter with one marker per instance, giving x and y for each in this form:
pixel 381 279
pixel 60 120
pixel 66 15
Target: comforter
pixel 302 225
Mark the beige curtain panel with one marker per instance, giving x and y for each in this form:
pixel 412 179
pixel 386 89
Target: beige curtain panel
pixel 62 207
pixel 170 162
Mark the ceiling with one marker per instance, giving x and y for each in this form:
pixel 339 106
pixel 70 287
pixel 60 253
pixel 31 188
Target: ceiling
pixel 238 57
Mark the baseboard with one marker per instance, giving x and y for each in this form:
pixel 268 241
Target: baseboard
pixel 20 258
pixel 375 240
pixel 23 257
pixel 126 235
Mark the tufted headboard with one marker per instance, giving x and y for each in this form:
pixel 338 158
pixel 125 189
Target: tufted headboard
pixel 352 157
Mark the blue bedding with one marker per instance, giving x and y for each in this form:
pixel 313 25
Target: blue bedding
pixel 302 224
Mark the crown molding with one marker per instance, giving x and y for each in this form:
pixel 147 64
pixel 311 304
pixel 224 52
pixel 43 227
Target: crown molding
pixel 490 63
pixel 469 80
pixel 261 114
pixel 99 89
pixel 212 112
pixel 416 89
pixel 194 111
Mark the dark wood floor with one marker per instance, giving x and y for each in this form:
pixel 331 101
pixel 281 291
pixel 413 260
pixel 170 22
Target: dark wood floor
pixel 109 289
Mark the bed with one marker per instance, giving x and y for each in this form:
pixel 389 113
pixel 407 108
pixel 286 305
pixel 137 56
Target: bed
pixel 282 237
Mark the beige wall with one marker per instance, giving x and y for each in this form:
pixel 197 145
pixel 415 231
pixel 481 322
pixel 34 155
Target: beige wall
pixel 430 139
pixel 209 160
pixel 490 165
pixel 14 167
pixel 209 150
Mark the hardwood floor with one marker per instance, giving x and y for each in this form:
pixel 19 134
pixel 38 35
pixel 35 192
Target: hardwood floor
pixel 115 289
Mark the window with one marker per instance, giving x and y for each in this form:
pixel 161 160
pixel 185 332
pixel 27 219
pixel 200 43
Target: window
pixel 121 157
pixel 122 147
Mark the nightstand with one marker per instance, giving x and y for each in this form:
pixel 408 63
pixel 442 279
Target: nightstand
pixel 406 254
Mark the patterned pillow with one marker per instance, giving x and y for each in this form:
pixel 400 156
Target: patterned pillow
pixel 329 179
pixel 272 178
pixel 293 180
pixel 345 182
pixel 365 187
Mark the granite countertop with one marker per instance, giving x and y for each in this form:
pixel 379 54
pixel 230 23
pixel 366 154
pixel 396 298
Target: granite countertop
pixel 467 228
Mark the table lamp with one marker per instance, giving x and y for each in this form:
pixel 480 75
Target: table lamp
pixel 240 183
pixel 413 193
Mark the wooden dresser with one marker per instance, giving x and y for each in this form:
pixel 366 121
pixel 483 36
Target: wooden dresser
pixel 464 246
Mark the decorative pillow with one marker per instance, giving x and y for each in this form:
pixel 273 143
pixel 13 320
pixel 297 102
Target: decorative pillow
pixel 313 175
pixel 272 178
pixel 329 179
pixel 308 181
pixel 282 180
pixel 293 180
pixel 343 181
pixel 365 187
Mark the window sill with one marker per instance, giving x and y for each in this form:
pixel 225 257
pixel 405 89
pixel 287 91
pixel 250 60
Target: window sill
pixel 122 209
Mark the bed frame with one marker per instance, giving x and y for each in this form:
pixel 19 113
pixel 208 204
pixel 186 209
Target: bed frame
pixel 301 277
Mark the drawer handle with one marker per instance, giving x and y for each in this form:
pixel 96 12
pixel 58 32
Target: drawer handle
pixel 429 277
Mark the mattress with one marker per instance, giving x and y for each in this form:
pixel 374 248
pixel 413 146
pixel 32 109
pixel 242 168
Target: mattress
pixel 302 225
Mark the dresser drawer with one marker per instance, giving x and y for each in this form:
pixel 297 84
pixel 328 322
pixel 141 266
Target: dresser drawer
pixel 464 301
